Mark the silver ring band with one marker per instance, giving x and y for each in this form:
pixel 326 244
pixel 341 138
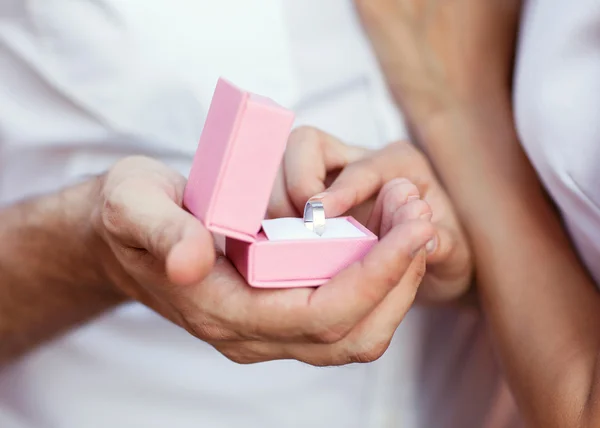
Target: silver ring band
pixel 314 217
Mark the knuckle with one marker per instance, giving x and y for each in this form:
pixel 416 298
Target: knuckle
pixel 373 174
pixel 132 163
pixel 127 168
pixel 305 134
pixel 113 212
pixel 412 188
pixel 368 167
pixel 243 353
pixel 419 208
pixel 400 181
pixel 211 332
pixel 418 271
pixel 371 353
pixel 161 237
pixel 329 335
pixel 369 171
pixel 421 205
pixel 240 357
pixel 196 319
pixel 280 208
pixel 125 165
pixel 412 211
pixel 329 361
pixel 397 194
pixel 304 138
pixel 116 210
pixel 299 190
pixel 374 272
pixel 449 252
pixel 326 356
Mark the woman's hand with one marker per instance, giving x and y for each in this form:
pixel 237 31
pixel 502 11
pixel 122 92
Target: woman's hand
pixel 440 55
pixel 376 187
pixel 449 64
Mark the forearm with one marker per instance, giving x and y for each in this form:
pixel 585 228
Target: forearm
pixel 50 278
pixel 542 308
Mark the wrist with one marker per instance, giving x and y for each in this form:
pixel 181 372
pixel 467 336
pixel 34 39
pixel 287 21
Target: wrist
pixel 461 123
pixel 95 252
pixel 475 150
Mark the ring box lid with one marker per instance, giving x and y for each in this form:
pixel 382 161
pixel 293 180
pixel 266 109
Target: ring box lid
pixel 236 162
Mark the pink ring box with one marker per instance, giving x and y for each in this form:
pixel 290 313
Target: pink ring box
pixel 228 189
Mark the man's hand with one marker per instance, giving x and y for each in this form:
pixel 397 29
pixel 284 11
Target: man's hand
pixel 377 188
pixel 162 256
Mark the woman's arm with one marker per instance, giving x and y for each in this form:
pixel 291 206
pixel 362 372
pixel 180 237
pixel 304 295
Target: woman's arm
pixel 449 65
pixel 542 307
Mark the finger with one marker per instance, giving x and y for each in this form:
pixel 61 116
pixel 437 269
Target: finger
pixel 365 343
pixel 190 259
pixel 392 196
pixel 364 178
pixel 334 308
pixel 322 315
pixel 142 211
pixel 369 340
pixel 280 204
pixel 449 267
pixel 310 155
pixel 411 209
pixel 252 351
pixel 451 249
pixel 144 216
pixel 446 245
pixel 212 309
pixel 449 259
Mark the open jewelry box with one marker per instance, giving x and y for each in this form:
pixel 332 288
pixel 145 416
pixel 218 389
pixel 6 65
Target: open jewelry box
pixel 228 189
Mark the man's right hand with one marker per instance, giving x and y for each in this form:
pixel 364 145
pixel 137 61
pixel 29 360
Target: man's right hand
pixel 162 256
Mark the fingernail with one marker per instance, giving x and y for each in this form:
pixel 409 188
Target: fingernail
pixel 431 245
pixel 319 196
pixel 412 198
pixel 418 246
pixel 399 180
pixel 426 216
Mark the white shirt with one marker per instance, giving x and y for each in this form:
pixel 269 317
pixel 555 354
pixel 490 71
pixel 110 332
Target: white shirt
pixel 557 101
pixel 84 83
